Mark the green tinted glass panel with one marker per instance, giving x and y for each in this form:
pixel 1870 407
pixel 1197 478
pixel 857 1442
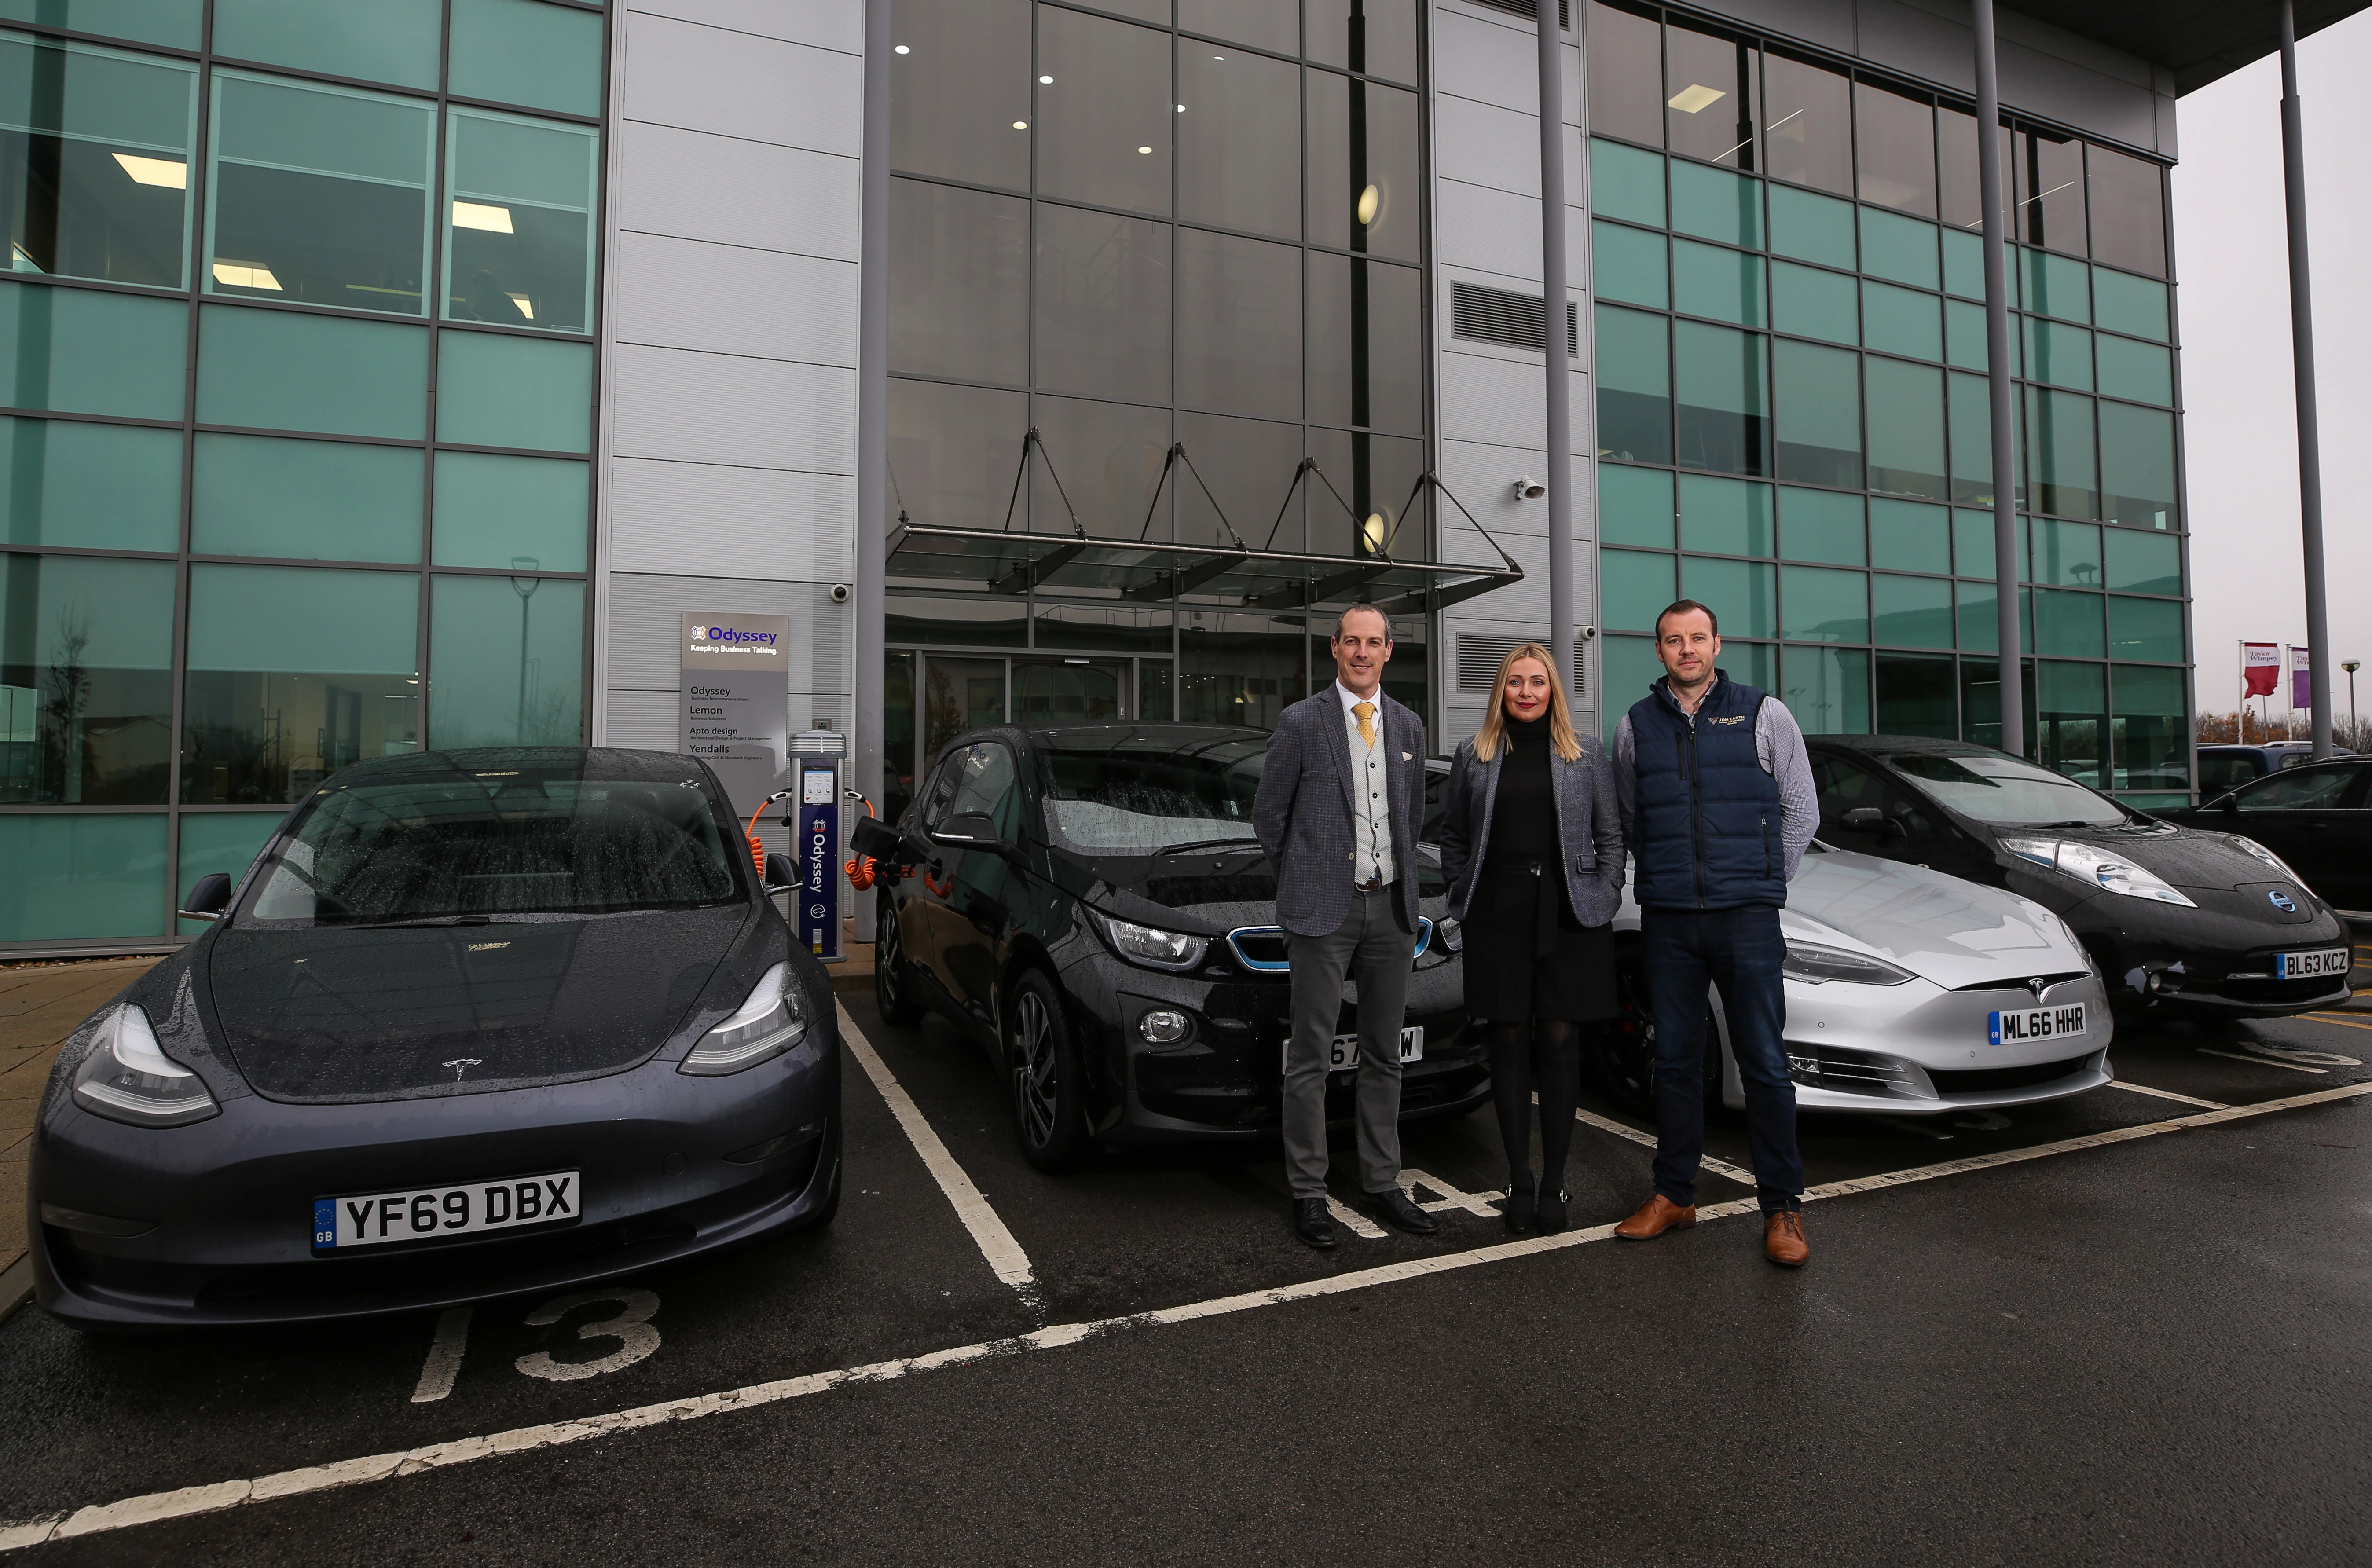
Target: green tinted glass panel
pixel 2137 466
pixel 386 41
pixel 1811 227
pixel 1634 505
pixel 1627 668
pixel 1912 612
pixel 1824 606
pixel 1973 544
pixel 1898 248
pixel 2058 353
pixel 1626 183
pixel 1726 516
pixel 1714 204
pixel 86 679
pixel 2056 285
pixel 2146 628
pixel 2071 705
pixel 1972 440
pixel 79 351
pixel 1964 335
pixel 1632 588
pixel 1708 280
pixel 2066 554
pixel 497 391
pixel 527 53
pixel 2152 737
pixel 1755 664
pixel 519 242
pixel 94 162
pixel 95 486
pixel 1906 427
pixel 1821 524
pixel 2128 304
pixel 1979 624
pixel 1721 384
pixel 1814 304
pixel 2144 372
pixel 2143 562
pixel 1743 594
pixel 505 662
pixel 1897 320
pixel 224 841
pixel 279 370
pixel 1964 264
pixel 1629 264
pixel 2062 473
pixel 499 511
pixel 1634 385
pixel 2067 624
pixel 174 24
pixel 77 877
pixel 306 500
pixel 1816 413
pixel 1827 690
pixel 1908 536
pixel 1918 694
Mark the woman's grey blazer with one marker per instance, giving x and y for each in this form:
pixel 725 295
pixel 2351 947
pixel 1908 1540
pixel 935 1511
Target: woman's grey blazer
pixel 1589 827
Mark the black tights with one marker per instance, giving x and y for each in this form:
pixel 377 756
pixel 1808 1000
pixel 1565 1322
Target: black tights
pixel 1542 1055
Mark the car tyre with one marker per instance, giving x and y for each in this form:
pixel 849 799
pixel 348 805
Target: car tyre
pixel 1626 1053
pixel 893 977
pixel 1048 1081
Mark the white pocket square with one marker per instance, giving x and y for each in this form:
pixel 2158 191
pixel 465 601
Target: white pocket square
pixel 1408 757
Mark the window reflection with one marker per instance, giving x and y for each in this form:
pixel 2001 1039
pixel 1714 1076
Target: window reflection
pixel 2128 211
pixel 1363 163
pixel 519 228
pixel 1895 138
pixel 1960 185
pixel 960 80
pixel 1238 141
pixel 1101 315
pixel 1378 36
pixel 1723 389
pixel 1250 466
pixel 1104 112
pixel 960 269
pixel 508 654
pixel 1810 139
pixel 1107 457
pixel 1268 24
pixel 1240 301
pixel 86 679
pixel 1240 669
pixel 1366 353
pixel 1625 60
pixel 953 451
pixel 2050 190
pixel 1711 96
pixel 94 162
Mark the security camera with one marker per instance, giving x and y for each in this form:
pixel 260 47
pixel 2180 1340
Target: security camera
pixel 1530 489
pixel 1589 633
pixel 840 593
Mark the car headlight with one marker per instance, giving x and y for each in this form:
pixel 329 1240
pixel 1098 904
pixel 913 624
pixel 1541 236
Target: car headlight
pixel 2268 856
pixel 773 1020
pixel 2097 866
pixel 1818 966
pixel 1155 949
pixel 128 1077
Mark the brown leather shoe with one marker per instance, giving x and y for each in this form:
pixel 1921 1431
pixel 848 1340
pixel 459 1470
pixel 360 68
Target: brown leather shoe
pixel 1783 1239
pixel 1655 1216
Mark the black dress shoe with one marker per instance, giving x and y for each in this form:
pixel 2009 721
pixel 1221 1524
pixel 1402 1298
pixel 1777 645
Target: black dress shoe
pixel 1518 1214
pixel 1312 1223
pixel 1395 1210
pixel 1552 1214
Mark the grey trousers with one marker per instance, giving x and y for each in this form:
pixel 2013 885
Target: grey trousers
pixel 1370 948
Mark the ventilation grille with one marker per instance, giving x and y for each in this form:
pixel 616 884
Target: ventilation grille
pixel 1531 11
pixel 1497 316
pixel 1479 653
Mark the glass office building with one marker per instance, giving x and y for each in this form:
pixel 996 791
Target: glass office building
pixel 396 374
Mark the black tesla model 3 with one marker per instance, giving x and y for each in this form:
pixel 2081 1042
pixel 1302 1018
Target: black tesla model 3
pixel 2172 915
pixel 475 1022
pixel 1091 906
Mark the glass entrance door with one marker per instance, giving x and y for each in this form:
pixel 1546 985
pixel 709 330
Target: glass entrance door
pixel 1071 690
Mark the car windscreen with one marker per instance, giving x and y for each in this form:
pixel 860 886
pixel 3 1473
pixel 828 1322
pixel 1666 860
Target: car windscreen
pixel 2006 791
pixel 515 843
pixel 1139 800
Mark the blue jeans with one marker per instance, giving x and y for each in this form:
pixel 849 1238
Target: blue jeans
pixel 1738 951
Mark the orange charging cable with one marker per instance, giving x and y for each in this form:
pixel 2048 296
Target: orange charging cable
pixel 757 850
pixel 861 869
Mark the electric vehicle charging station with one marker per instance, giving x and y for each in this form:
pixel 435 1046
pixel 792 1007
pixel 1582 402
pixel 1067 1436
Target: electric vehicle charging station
pixel 816 758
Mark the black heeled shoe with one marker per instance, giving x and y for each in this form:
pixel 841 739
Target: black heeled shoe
pixel 1518 1213
pixel 1549 1215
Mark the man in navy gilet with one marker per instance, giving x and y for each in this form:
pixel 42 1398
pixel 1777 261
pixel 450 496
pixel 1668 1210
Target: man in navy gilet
pixel 1719 808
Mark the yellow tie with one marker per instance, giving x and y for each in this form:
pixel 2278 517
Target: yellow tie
pixel 1366 711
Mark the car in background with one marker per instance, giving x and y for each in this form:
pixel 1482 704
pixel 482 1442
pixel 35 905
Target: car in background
pixel 2314 815
pixel 1088 905
pixel 2170 913
pixel 2222 769
pixel 474 1022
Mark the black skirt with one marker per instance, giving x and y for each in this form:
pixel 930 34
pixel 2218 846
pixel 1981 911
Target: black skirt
pixel 1526 957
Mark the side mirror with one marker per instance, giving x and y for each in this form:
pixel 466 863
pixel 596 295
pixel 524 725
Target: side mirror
pixel 2231 804
pixel 210 900
pixel 1864 820
pixel 781 874
pixel 966 830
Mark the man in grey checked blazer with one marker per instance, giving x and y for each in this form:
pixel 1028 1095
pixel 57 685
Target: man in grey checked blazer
pixel 1341 794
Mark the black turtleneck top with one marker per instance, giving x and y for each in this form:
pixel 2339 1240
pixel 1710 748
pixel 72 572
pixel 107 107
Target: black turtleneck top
pixel 1523 814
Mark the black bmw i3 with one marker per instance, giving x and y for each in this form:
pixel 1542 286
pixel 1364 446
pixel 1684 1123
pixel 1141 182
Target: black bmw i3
pixel 474 1022
pixel 1091 906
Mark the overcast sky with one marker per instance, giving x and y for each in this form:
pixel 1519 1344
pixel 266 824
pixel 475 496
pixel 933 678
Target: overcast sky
pixel 2239 421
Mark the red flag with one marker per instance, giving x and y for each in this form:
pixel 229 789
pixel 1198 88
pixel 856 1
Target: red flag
pixel 2260 668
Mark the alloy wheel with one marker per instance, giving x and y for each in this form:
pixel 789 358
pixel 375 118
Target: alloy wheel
pixel 1036 1089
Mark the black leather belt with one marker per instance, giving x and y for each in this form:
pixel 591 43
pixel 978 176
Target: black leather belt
pixel 1372 885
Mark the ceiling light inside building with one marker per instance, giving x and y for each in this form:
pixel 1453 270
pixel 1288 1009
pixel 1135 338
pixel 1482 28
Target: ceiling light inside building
pixel 478 215
pixel 526 305
pixel 1695 96
pixel 1370 200
pixel 1372 531
pixel 1046 81
pixel 245 275
pixel 1021 124
pixel 155 170
pixel 1145 149
pixel 902 49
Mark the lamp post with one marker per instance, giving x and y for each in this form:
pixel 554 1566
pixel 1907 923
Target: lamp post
pixel 526 592
pixel 2355 735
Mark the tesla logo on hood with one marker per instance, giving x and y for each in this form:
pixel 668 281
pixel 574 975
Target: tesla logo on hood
pixel 2282 902
pixel 461 1064
pixel 2038 984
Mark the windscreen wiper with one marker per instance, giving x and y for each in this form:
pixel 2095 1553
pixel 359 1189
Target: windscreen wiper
pixel 1201 844
pixel 425 920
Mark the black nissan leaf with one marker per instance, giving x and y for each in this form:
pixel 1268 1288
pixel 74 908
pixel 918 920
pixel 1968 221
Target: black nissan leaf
pixel 1091 906
pixel 474 1022
pixel 2172 915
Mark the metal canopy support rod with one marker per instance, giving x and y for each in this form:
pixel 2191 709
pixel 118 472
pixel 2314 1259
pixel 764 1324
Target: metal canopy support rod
pixel 1991 179
pixel 2310 435
pixel 1553 314
pixel 871 678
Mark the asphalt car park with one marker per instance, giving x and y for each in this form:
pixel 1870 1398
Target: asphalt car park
pixel 953 1262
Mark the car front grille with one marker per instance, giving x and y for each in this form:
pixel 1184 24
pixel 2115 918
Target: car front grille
pixel 1986 1078
pixel 2269 992
pixel 1852 1072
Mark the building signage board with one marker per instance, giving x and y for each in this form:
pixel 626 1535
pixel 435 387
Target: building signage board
pixel 737 700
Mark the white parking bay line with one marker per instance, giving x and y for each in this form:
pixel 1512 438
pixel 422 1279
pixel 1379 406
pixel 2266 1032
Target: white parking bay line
pixel 1647 1140
pixel 2166 1094
pixel 996 1242
pixel 221 1495
pixel 2260 1060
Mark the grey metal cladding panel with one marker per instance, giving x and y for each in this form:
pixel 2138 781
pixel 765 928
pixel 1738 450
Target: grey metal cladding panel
pixel 827 24
pixel 1486 145
pixel 692 294
pixel 759 89
pixel 701 518
pixel 1484 478
pixel 1919 43
pixel 1829 23
pixel 645 616
pixel 717 407
pixel 1499 401
pixel 2077 96
pixel 647 720
pixel 703 187
pixel 1493 231
pixel 1485 62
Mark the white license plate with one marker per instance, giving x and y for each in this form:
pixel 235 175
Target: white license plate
pixel 1344 1054
pixel 2021 1026
pixel 367 1220
pixel 2310 965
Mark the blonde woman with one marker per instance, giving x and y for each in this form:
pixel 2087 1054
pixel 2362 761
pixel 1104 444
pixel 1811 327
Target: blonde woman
pixel 1532 844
